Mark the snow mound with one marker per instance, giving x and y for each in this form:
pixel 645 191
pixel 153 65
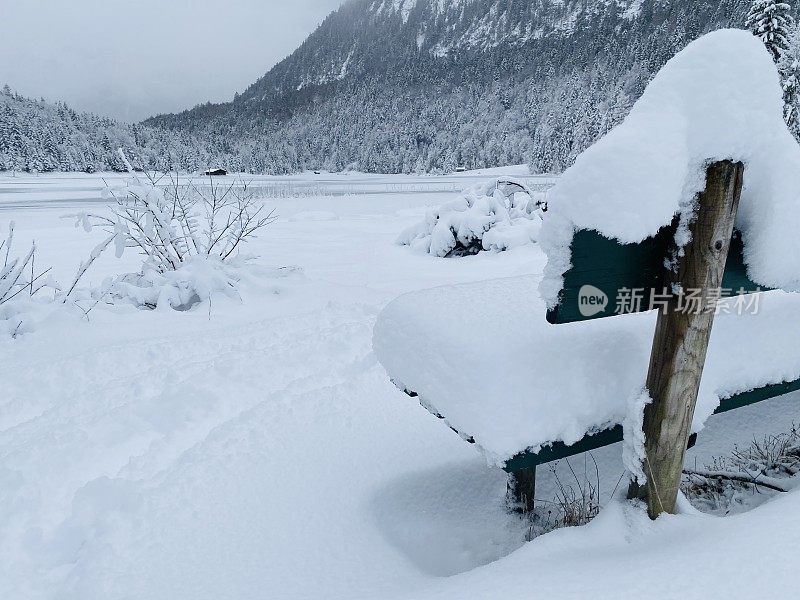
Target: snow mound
pixel 196 280
pixel 720 98
pixel 496 215
pixel 512 381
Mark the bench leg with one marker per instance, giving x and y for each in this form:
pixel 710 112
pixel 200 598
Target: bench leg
pixel 521 489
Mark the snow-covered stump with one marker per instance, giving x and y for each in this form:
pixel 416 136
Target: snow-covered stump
pixel 681 339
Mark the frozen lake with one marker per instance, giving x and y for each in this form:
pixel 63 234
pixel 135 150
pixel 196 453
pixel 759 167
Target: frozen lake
pixel 23 190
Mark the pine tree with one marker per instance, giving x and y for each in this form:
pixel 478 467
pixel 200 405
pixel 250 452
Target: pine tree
pixel 771 21
pixel 789 68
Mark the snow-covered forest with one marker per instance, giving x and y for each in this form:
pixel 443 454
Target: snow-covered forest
pixel 37 136
pixel 538 87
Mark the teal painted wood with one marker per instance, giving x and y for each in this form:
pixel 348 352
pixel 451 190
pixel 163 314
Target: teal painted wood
pixel 757 395
pixel 611 267
pixel 559 450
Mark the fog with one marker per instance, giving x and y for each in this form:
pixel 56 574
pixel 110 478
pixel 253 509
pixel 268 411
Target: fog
pixel 130 59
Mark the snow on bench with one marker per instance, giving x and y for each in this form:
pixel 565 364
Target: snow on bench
pixel 483 357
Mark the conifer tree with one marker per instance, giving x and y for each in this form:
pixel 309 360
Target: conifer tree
pixel 772 22
pixel 789 68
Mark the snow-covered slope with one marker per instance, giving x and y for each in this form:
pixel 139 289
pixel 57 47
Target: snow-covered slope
pixel 411 32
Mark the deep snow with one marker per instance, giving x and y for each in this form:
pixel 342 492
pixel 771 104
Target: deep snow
pixel 258 450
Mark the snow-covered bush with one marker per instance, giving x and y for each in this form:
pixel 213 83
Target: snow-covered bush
pixel 19 283
pixel 12 276
pixel 575 505
pixel 198 278
pixel 190 239
pixel 495 215
pixel 576 501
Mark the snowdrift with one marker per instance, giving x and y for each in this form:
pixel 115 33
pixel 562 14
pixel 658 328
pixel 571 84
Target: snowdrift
pixel 496 215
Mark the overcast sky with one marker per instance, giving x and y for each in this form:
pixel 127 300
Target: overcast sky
pixel 134 58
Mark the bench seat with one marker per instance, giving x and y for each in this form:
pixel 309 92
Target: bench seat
pixel 482 357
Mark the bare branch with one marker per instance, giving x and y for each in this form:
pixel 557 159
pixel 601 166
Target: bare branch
pixel 767 482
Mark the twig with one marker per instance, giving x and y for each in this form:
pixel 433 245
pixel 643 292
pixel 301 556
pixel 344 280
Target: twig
pixel 84 266
pixel 37 278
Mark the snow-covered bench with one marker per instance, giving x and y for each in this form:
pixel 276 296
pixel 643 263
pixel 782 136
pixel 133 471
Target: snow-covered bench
pixel 483 358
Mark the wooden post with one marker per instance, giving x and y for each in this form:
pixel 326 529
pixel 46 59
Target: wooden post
pixel 521 488
pixel 681 338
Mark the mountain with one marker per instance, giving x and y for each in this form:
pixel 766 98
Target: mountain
pixel 405 85
pixel 402 86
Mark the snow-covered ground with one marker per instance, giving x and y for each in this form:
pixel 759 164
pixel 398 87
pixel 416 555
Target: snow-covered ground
pixel 256 449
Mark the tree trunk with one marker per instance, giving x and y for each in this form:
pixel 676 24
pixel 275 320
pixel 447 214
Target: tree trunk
pixel 681 338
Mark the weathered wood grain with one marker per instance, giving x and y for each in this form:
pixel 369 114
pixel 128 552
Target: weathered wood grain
pixel 681 338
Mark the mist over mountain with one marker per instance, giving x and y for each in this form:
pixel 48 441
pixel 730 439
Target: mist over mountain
pixel 428 85
pixel 420 85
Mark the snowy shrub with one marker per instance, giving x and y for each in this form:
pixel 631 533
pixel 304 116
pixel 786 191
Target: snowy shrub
pixel 12 276
pixel 189 237
pixel 19 283
pixel 496 215
pixel 197 279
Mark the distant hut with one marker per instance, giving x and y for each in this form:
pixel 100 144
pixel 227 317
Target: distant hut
pixel 215 172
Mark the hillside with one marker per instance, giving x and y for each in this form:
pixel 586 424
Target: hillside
pixel 40 136
pixel 401 86
pixel 420 85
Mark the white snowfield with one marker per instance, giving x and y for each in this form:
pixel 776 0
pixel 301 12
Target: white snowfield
pixel 257 450
pixel 720 98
